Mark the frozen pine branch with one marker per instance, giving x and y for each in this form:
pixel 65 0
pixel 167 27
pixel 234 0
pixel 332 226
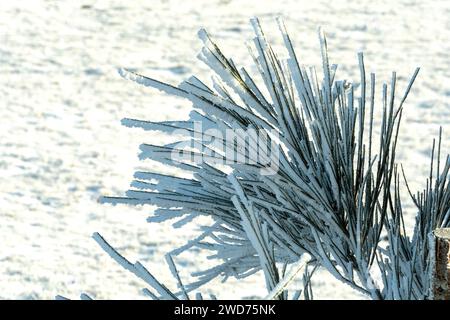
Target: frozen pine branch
pixel 331 197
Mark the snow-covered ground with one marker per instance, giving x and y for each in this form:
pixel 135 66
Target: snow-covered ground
pixel 61 101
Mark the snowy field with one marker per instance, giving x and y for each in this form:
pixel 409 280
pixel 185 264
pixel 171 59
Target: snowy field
pixel 61 101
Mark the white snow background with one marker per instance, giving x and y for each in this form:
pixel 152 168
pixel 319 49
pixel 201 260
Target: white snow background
pixel 62 145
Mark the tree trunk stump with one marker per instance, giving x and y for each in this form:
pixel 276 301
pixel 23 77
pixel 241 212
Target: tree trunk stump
pixel 441 271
